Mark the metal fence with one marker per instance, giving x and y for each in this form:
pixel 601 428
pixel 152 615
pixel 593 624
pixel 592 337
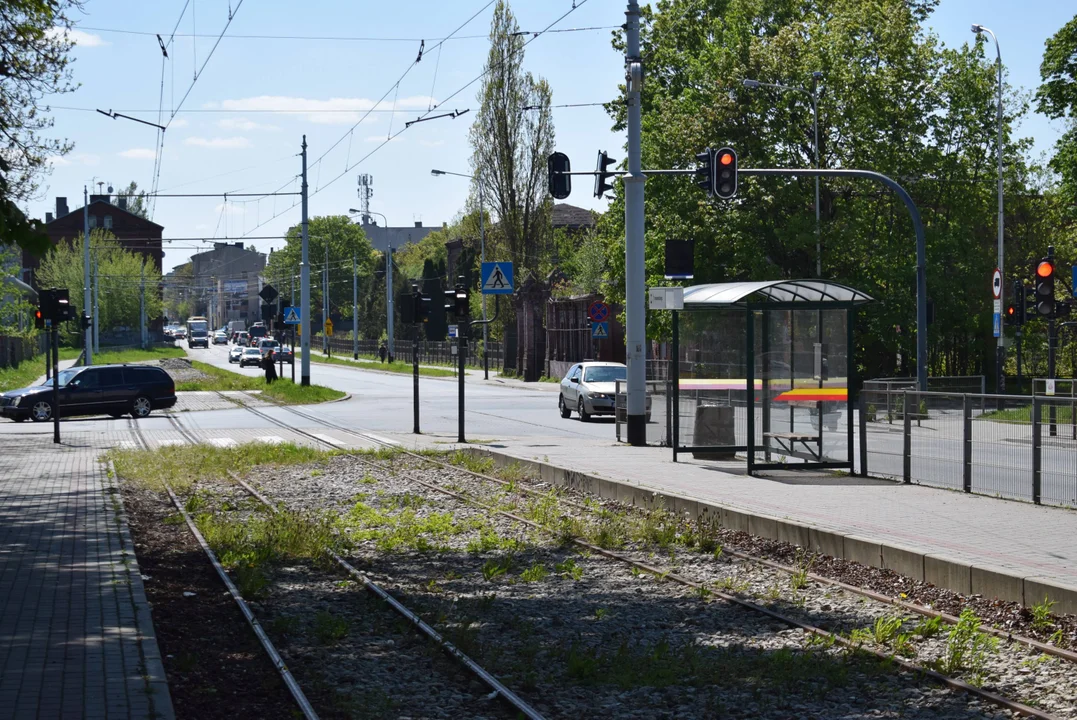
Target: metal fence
pixel 16 349
pixel 431 352
pixel 1007 446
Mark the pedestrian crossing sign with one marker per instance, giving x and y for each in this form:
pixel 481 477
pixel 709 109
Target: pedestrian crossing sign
pixel 497 278
pixel 600 330
pixel 292 316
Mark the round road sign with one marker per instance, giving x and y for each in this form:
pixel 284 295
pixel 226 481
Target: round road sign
pixel 996 284
pixel 599 311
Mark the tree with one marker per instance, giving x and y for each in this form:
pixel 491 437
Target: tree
pixel 121 274
pixel 136 200
pixel 1057 98
pixel 511 138
pixel 34 63
pixel 345 240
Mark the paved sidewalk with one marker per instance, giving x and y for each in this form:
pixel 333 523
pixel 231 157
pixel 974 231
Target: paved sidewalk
pixel 988 535
pixel 76 638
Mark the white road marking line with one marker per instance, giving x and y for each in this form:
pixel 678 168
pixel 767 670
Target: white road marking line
pixel 222 442
pixel 328 438
pixel 379 438
pixel 127 444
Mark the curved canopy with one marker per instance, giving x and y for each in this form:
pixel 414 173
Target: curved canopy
pixel 777 291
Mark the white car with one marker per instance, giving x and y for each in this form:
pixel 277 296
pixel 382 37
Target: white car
pixel 235 353
pixel 220 338
pixel 250 356
pixel 590 388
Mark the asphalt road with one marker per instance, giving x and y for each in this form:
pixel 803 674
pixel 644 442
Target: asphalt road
pixel 382 402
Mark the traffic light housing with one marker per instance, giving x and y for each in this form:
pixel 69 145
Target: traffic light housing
pixel 725 173
pixel 39 319
pixel 450 301
pixel 560 183
pixel 85 321
pixel 705 171
pixel 463 304
pixel 1011 315
pixel 1017 302
pixel 602 174
pixel 1045 287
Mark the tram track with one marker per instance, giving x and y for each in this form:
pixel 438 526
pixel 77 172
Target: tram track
pixel 664 573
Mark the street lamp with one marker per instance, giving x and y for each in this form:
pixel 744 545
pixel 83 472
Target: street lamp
pixel 813 94
pixel 1000 350
pixel 482 251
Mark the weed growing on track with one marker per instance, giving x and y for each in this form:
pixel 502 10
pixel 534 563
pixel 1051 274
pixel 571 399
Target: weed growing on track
pixel 493 569
pixel 1041 614
pixel 184 465
pixel 569 569
pixel 329 628
pixel 802 566
pixel 396 527
pixel 966 648
pixel 928 627
pixel 535 573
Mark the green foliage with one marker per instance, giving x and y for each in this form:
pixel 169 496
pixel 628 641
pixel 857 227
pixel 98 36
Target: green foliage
pixel 966 648
pixel 121 272
pixel 330 628
pixel 929 627
pixel 535 573
pixel 1057 98
pixel 1041 614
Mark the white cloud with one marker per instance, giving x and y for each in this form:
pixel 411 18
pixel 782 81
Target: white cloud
pixel 138 154
pixel 219 143
pixel 80 38
pixel 334 111
pixel 179 122
pixel 238 123
pixel 74 159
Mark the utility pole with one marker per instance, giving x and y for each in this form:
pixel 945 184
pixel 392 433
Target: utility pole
pixel 485 325
pixel 355 311
pixel 635 335
pixel 304 276
pixel 291 297
pixel 96 305
pixel 85 277
pixel 325 299
pixel 142 306
pixel 389 296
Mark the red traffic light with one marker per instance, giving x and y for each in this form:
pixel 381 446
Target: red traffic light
pixel 1011 310
pixel 725 158
pixel 1045 269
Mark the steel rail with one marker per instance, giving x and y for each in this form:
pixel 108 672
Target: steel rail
pixel 267 644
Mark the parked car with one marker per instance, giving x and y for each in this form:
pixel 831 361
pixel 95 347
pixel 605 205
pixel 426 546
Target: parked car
pixel 114 390
pixel 220 338
pixel 235 353
pixel 590 388
pixel 285 353
pixel 250 356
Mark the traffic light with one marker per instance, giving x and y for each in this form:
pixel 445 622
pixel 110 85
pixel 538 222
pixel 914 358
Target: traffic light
pixel 601 174
pixel 560 182
pixel 725 173
pixel 85 321
pixel 1045 287
pixel 39 319
pixel 463 305
pixel 1011 315
pixel 450 301
pixel 705 171
pixel 1018 303
pixel 422 308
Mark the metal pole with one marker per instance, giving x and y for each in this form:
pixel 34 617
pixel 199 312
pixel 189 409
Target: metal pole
pixel 389 295
pixel 1052 344
pixel 415 379
pixel 1000 350
pixel 818 237
pixel 56 383
pixel 304 277
pixel 142 306
pixel 355 311
pixel 325 300
pixel 291 298
pixel 85 277
pixel 635 335
pixel 485 326
pixel 461 351
pixel 96 306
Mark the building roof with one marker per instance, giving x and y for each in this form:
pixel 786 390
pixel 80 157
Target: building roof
pixel 74 218
pixel 778 291
pixel 571 217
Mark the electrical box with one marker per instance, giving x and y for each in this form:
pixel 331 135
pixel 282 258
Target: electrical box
pixel 666 298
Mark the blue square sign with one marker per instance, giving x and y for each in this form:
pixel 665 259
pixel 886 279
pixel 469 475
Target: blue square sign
pixel 497 278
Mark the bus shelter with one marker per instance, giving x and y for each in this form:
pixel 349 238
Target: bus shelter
pixel 765 369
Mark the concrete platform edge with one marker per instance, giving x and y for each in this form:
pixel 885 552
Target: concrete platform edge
pixel 950 573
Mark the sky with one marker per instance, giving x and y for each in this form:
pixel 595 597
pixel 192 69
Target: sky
pixel 236 110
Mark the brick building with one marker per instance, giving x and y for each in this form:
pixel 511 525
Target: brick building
pixel 134 233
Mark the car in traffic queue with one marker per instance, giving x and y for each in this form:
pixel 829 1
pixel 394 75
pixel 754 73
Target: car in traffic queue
pixel 220 338
pixel 179 333
pixel 590 388
pixel 266 344
pixel 115 390
pixel 234 353
pixel 285 353
pixel 241 338
pixel 250 356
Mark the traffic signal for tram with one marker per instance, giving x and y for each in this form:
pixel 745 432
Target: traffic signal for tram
pixel 1018 303
pixel 560 181
pixel 463 302
pixel 39 319
pixel 420 312
pixel 602 174
pixel 705 171
pixel 725 173
pixel 85 321
pixel 1045 287
pixel 1011 315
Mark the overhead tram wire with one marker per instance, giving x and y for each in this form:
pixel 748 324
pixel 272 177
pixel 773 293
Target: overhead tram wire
pixel 336 38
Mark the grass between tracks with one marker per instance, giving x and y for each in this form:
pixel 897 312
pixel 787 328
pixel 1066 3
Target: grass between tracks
pixel 283 390
pixel 396 366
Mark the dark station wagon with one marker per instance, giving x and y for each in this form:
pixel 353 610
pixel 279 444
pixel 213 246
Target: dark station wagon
pixel 114 390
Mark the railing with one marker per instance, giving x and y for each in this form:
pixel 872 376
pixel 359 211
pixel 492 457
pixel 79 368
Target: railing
pixel 1008 446
pixel 431 352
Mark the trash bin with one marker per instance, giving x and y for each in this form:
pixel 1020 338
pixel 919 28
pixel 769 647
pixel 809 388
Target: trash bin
pixel 714 426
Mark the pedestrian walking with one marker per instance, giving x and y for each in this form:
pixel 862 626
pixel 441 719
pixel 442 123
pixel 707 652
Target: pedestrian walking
pixel 270 368
pixel 383 351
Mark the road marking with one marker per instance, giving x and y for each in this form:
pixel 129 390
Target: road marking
pixel 127 444
pixel 329 439
pixel 380 439
pixel 270 439
pixel 223 442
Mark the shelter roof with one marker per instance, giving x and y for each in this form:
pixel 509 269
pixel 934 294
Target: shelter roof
pixel 776 291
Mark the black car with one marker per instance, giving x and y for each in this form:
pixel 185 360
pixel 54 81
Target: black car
pixel 114 390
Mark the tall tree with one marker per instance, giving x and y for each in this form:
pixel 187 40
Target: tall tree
pixel 34 63
pixel 511 138
pixel 1057 98
pixel 136 200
